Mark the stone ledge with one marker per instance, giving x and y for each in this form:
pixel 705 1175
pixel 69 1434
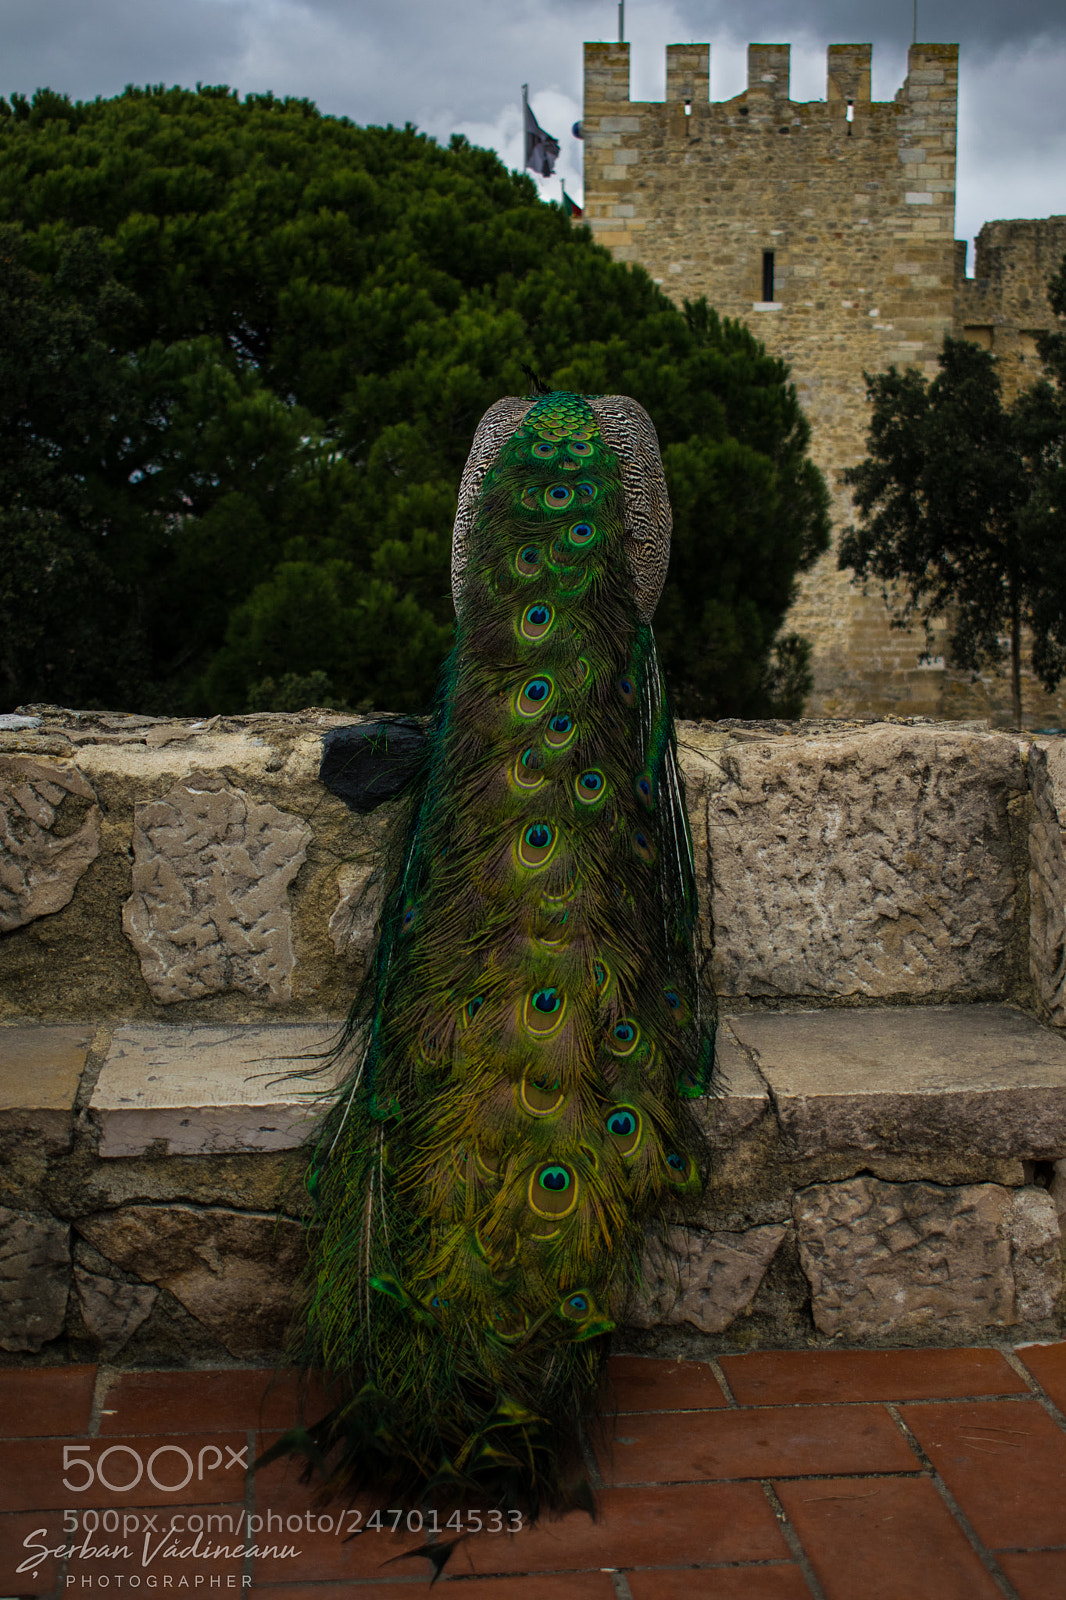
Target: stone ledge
pixel 203 1091
pixel 985 1079
pixel 40 1073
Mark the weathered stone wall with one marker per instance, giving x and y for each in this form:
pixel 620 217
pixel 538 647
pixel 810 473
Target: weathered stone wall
pixel 204 873
pixel 883 906
pixel 855 199
pixel 1004 306
pixel 155 867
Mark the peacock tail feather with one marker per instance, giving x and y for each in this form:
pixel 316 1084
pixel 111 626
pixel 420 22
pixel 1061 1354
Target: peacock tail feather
pixel 515 1115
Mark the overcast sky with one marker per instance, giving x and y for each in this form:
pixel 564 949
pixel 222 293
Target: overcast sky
pixel 452 65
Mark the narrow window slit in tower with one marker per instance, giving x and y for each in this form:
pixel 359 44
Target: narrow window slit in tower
pixel 850 114
pixel 688 106
pixel 767 276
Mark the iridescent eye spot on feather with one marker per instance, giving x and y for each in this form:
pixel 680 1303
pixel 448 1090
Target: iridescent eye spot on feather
pixel 623 1125
pixel 628 690
pixel 591 787
pixel 643 848
pixel 537 845
pixel 530 498
pixel 510 1326
pixel 526 772
pixel 536 621
pixel 575 1307
pixel 678 1007
pixel 534 696
pixel 543 450
pixel 540 1098
pixel 581 534
pixel 678 1167
pixel 561 730
pixel 409 917
pixel 586 492
pixel 601 974
pixel 579 447
pixel 623 1038
pixel 487 1162
pixel 543 1012
pixel 527 561
pixel 553 1191
pixel 471 1009
pixel 558 496
pixel 581 671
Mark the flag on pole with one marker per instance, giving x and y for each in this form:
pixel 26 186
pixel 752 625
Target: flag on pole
pixel 541 149
pixel 571 207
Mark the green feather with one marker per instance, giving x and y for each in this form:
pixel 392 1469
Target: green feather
pixel 514 1117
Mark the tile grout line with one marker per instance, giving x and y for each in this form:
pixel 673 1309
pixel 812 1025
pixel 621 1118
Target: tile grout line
pixel 984 1555
pixel 814 1405
pixel 1036 1388
pixel 731 1399
pixel 792 1539
pixel 106 1377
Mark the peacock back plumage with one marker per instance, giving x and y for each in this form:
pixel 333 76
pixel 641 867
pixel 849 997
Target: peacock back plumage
pixel 515 1114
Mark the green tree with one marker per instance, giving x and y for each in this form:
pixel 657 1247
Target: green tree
pixel 62 606
pixel 319 315
pixel 956 508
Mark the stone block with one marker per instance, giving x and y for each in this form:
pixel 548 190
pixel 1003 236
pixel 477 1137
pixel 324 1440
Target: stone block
pixel 742 1100
pixel 875 862
pixel 893 1261
pixel 34 1279
pixel 1047 876
pixel 199 1090
pixel 233 1271
pixel 111 1309
pixel 40 1073
pixel 1036 1254
pixel 360 892
pixel 210 909
pixel 986 1080
pixel 706 1279
pixel 42 859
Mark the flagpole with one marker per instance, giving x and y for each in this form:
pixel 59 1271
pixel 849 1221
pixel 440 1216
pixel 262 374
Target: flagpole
pixel 621 21
pixel 525 126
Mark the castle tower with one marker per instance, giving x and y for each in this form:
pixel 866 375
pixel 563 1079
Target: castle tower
pixel 828 227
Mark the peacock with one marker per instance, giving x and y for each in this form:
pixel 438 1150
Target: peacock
pixel 521 1055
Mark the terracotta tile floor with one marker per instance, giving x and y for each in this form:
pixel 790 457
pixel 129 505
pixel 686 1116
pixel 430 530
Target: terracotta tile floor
pixel 837 1475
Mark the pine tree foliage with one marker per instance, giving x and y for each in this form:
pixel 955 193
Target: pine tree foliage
pixel 293 328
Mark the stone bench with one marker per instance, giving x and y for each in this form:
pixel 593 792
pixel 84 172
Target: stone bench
pixel 879 1175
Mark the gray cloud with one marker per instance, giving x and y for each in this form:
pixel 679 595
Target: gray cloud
pixel 461 65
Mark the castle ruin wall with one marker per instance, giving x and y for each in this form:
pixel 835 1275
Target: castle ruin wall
pixel 828 228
